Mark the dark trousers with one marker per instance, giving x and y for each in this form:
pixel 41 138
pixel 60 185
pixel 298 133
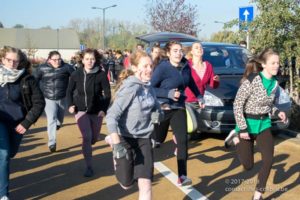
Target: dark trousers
pixel 265 143
pixel 138 164
pixel 177 119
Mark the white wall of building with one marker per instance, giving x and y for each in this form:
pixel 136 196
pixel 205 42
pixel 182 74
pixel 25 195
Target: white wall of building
pixel 66 54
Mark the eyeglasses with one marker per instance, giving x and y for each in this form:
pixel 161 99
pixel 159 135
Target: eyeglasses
pixel 56 60
pixel 11 60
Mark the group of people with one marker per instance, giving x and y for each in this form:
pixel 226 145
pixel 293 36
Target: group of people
pixel 175 82
pixel 150 96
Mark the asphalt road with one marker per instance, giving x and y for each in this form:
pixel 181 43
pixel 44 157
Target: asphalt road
pixel 216 173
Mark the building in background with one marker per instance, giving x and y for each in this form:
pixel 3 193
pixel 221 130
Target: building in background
pixel 37 43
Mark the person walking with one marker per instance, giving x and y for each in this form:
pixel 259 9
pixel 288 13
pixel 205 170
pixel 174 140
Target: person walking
pixel 130 125
pixel 88 98
pixel 53 77
pixel 252 107
pixel 170 78
pixel 21 104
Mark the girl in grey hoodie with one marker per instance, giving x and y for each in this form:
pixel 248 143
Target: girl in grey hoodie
pixel 129 123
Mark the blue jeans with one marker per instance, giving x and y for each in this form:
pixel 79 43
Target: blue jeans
pixel 4 160
pixel 55 110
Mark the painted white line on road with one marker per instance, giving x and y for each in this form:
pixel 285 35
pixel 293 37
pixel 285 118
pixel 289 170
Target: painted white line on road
pixel 188 190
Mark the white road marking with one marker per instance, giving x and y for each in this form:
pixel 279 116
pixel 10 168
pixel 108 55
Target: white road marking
pixel 188 190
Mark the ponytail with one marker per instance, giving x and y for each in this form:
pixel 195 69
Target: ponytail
pixel 253 66
pixel 124 74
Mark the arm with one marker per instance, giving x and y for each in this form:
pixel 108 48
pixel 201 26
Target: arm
pixel 38 74
pixel 238 105
pixel 213 79
pixel 70 91
pixel 107 92
pixel 156 80
pixel 123 99
pixel 37 102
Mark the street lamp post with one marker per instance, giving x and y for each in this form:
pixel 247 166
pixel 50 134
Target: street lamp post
pixel 219 22
pixel 103 22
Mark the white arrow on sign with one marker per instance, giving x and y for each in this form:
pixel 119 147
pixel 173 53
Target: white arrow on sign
pixel 246 13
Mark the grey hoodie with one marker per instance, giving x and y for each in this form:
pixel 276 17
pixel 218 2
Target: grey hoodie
pixel 130 113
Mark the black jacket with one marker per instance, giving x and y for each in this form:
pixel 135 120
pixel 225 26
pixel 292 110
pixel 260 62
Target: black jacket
pixel 26 94
pixel 54 81
pixel 89 92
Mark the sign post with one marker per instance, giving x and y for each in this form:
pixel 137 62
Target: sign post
pixel 246 15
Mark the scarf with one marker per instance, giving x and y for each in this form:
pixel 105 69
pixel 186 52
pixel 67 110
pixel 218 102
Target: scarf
pixel 8 75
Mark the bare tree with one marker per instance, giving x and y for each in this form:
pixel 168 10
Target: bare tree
pixel 173 15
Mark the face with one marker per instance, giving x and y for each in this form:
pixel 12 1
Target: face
pixel 11 60
pixel 271 66
pixel 143 70
pixel 140 48
pixel 155 53
pixel 197 50
pixel 55 60
pixel 175 54
pixel 88 61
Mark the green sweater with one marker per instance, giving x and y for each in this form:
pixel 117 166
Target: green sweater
pixel 256 126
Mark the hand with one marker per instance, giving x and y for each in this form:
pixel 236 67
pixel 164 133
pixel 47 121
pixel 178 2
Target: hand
pixel 282 116
pixel 20 129
pixel 245 136
pixel 201 105
pixel 216 78
pixel 176 95
pixel 119 151
pixel 101 114
pixel 71 109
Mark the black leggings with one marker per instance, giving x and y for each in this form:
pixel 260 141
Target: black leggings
pixel 177 120
pixel 265 143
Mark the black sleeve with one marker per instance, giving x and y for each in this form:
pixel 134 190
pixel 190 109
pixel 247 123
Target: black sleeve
pixel 70 91
pixel 38 104
pixel 107 93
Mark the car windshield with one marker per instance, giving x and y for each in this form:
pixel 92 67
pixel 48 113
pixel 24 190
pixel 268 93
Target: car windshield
pixel 222 56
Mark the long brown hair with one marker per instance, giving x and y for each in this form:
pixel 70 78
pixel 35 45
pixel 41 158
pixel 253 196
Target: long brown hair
pixel 253 66
pixel 124 74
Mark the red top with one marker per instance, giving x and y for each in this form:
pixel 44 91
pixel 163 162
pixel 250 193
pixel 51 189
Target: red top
pixel 201 83
pixel 126 62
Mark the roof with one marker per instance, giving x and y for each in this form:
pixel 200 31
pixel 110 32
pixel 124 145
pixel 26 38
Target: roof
pixel 166 36
pixel 24 38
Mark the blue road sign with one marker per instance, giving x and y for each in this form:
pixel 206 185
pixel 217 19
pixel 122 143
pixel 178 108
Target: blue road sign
pixel 246 15
pixel 82 47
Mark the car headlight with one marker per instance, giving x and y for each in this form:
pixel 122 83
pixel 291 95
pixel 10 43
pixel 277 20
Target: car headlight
pixel 212 100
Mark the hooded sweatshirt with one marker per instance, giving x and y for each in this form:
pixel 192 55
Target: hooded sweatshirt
pixel 130 113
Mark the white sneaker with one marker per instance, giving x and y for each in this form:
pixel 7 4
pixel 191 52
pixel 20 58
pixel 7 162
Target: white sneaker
pixel 184 180
pixel 229 139
pixel 4 198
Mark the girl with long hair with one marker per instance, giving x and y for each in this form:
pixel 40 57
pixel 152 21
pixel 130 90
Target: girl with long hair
pixel 170 79
pixel 129 123
pixel 21 104
pixel 252 107
pixel 88 97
